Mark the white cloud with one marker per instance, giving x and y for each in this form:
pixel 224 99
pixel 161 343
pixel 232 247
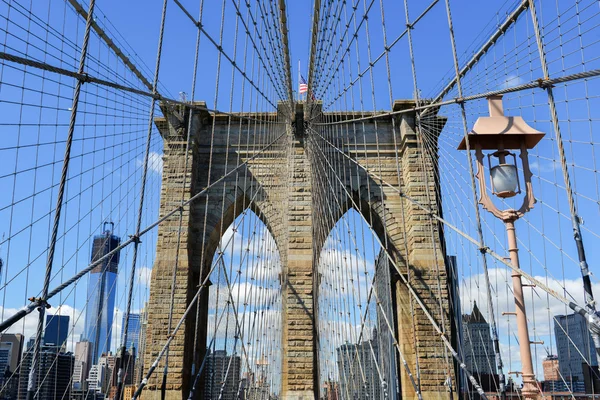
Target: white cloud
pixel 238 238
pixel 256 297
pixel 253 326
pixel 541 309
pixel 345 273
pixel 116 330
pixel 28 325
pixel 144 274
pixel 538 304
pixel 511 81
pixel 252 255
pixel 544 167
pixel 155 163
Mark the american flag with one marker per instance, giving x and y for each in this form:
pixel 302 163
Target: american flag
pixel 302 86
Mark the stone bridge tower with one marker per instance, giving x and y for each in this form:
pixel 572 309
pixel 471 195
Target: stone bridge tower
pixel 278 186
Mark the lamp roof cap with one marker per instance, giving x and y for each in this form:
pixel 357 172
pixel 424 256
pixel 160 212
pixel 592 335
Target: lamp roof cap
pixel 488 131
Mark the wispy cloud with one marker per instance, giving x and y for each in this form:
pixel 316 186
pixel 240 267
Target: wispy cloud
pixel 511 81
pixel 541 310
pixel 144 275
pixel 28 325
pixel 544 167
pixel 155 163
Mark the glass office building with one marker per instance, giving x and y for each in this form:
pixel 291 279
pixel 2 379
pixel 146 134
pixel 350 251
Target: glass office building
pixel 133 332
pixel 101 293
pixel 57 330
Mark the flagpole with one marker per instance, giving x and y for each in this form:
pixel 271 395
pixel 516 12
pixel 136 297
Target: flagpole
pixel 298 80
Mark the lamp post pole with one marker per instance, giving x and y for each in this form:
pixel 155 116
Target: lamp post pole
pixel 500 134
pixel 530 388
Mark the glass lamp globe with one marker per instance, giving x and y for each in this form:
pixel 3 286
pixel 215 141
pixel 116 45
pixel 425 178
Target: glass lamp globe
pixel 505 181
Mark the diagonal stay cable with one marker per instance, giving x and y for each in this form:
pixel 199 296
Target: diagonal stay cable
pixel 416 297
pixel 534 84
pixel 41 302
pixel 111 44
pixel 576 221
pixel 221 51
pixel 592 318
pixel 386 51
pixel 371 292
pixel 510 20
pixel 86 77
pixel 243 259
pixel 33 305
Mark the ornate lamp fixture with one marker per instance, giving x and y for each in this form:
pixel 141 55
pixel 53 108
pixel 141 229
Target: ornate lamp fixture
pixel 498 134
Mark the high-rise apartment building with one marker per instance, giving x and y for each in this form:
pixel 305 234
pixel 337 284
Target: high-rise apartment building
pixel 102 376
pixel 83 363
pixel 127 362
pixel 552 379
pixel 128 392
pixel 550 366
pixel 108 362
pixel 11 348
pixel 101 293
pixel 478 348
pixel 139 360
pixel 57 330
pixel 385 318
pixel 357 368
pixel 222 377
pixel 96 378
pixel 331 390
pixel 53 375
pixel 575 349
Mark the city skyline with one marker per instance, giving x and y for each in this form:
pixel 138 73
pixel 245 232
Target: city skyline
pixel 78 364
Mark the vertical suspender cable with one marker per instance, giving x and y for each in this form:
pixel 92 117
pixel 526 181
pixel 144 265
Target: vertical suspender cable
pixel 42 304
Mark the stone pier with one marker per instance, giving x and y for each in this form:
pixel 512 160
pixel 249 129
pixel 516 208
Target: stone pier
pixel 279 186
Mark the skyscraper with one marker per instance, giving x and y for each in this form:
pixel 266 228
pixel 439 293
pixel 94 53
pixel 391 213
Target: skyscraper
pixel 96 378
pixel 57 330
pixel 101 293
pixel 133 332
pixel 575 349
pixel 127 362
pixel 100 378
pixel 139 361
pixel 222 378
pixel 385 315
pixel 11 347
pixel 478 347
pixel 359 376
pixel 53 375
pixel 83 361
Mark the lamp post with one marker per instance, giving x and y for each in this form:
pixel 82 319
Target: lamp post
pixel 498 134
